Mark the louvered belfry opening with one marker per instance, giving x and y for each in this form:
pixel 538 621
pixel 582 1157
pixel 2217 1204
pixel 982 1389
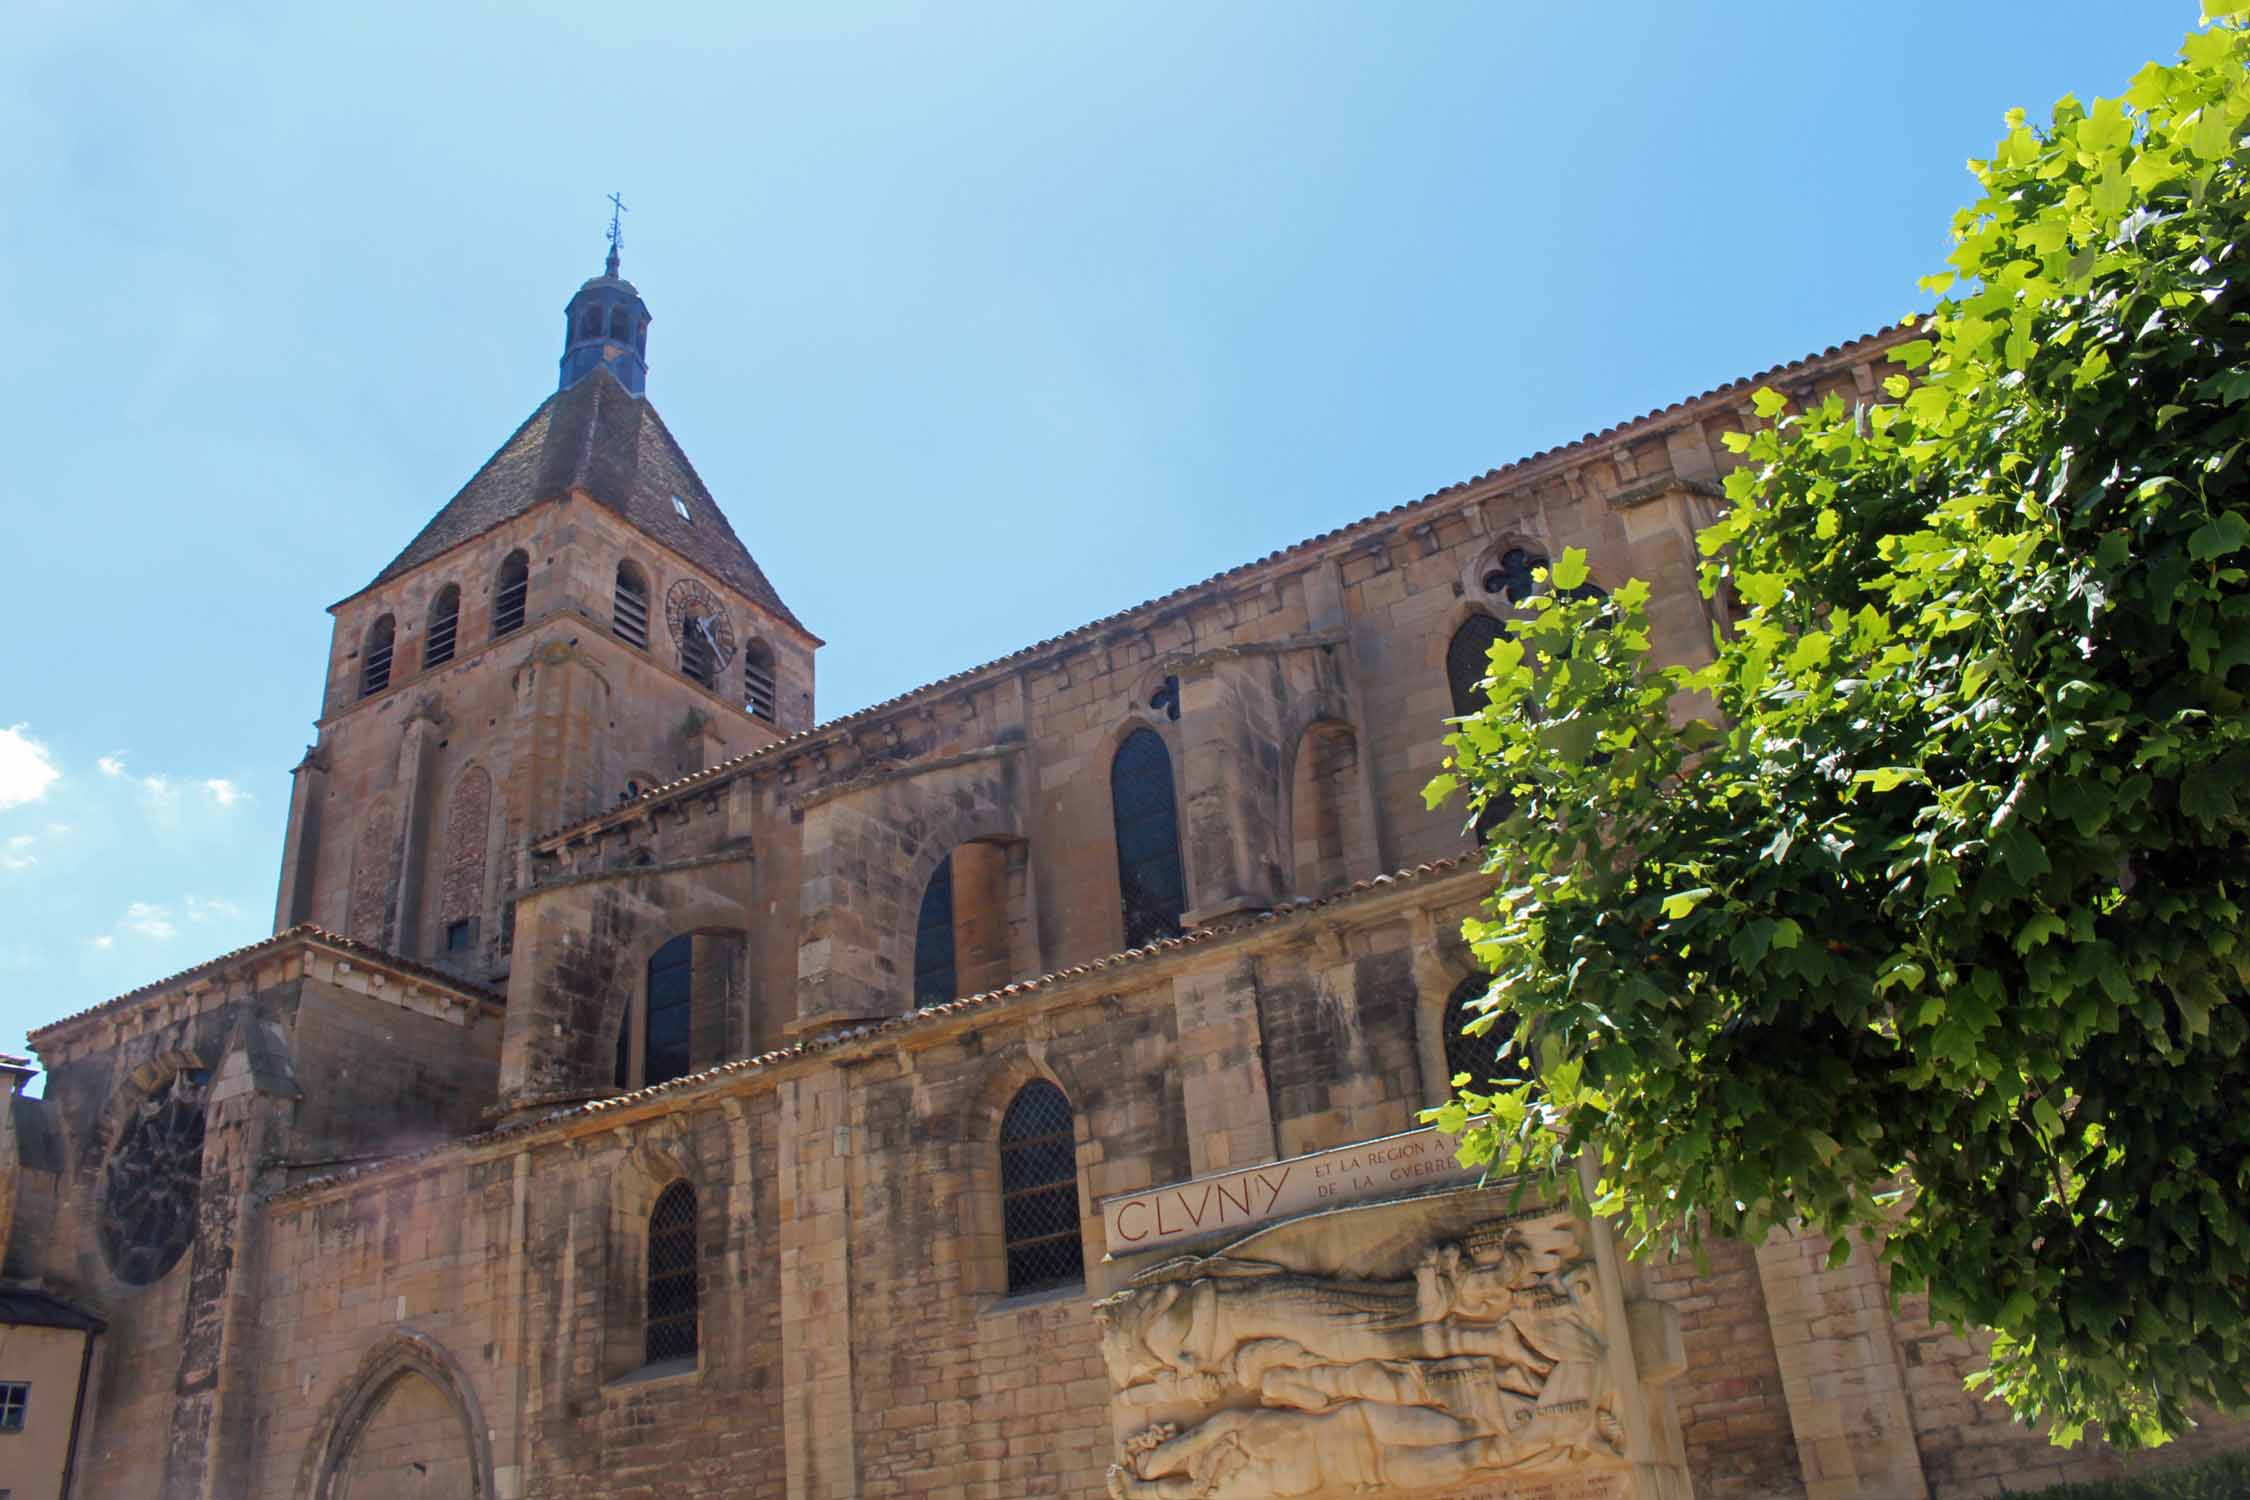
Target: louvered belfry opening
pixel 670 1331
pixel 1479 1056
pixel 628 609
pixel 1151 882
pixel 1039 1191
pixel 757 681
pixel 375 659
pixel 695 653
pixel 509 593
pixel 445 626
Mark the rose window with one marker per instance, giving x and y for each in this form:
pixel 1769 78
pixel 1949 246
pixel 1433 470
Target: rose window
pixel 149 1191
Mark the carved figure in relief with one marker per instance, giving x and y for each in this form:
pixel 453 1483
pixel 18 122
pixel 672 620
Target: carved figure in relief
pixel 1488 1359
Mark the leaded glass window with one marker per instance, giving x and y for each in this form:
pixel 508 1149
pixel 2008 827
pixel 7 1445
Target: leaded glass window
pixel 935 980
pixel 1039 1190
pixel 1150 881
pixel 670 1008
pixel 1479 1056
pixel 153 1180
pixel 670 1330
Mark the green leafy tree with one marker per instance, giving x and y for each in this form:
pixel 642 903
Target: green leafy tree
pixel 1932 936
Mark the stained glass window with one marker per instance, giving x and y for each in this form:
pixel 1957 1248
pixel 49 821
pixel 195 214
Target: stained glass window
pixel 1039 1190
pixel 1150 880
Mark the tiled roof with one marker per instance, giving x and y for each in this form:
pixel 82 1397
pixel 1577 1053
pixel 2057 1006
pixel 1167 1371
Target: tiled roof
pixel 304 933
pixel 28 1307
pixel 1894 333
pixel 919 1016
pixel 598 437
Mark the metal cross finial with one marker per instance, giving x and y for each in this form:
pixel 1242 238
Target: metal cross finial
pixel 616 230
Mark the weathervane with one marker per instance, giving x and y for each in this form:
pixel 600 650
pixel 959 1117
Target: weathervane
pixel 616 230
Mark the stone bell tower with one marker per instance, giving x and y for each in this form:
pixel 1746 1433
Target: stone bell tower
pixel 578 624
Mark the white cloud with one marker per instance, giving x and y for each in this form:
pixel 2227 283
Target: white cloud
pixel 160 787
pixel 224 792
pixel 16 853
pixel 147 919
pixel 112 764
pixel 101 944
pixel 210 909
pixel 27 768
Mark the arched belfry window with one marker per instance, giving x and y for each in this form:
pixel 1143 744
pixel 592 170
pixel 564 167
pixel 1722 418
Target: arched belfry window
pixel 666 1016
pixel 628 605
pixel 509 591
pixel 590 321
pixel 1039 1190
pixel 757 680
pixel 621 323
pixel 444 626
pixel 935 978
pixel 375 657
pixel 670 1326
pixel 1479 1056
pixel 1150 880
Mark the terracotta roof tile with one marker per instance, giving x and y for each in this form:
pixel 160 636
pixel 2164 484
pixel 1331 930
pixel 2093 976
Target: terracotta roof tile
pixel 305 933
pixel 726 768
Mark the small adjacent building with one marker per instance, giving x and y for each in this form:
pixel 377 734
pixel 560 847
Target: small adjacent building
pixel 1006 1090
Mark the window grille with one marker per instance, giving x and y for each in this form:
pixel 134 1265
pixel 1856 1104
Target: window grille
pixel 695 653
pixel 1039 1191
pixel 628 609
pixel 671 993
pixel 508 595
pixel 757 681
pixel 445 627
pixel 15 1396
pixel 375 660
pixel 670 1329
pixel 934 978
pixel 1479 1056
pixel 1150 881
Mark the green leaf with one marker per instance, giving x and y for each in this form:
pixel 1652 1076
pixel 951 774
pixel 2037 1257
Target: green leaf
pixel 1439 790
pixel 1680 903
pixel 1768 403
pixel 2219 537
pixel 1569 570
pixel 1884 778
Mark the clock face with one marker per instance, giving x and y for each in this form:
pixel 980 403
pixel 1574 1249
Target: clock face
pixel 689 606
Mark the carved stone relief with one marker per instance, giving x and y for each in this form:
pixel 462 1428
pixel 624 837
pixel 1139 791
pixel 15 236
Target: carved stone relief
pixel 1465 1352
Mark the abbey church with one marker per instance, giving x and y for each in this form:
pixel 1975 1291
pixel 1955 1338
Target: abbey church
pixel 1006 1090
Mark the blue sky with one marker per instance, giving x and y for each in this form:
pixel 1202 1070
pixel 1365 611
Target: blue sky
pixel 980 320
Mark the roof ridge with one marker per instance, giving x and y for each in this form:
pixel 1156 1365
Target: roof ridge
pixel 302 932
pixel 774 749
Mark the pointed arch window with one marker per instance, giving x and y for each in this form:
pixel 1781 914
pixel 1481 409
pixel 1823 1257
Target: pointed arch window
pixel 1039 1207
pixel 375 656
pixel 669 1010
pixel 628 605
pixel 1479 1056
pixel 444 626
pixel 757 680
pixel 509 592
pixel 671 1326
pixel 1151 883
pixel 935 978
pixel 1466 660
